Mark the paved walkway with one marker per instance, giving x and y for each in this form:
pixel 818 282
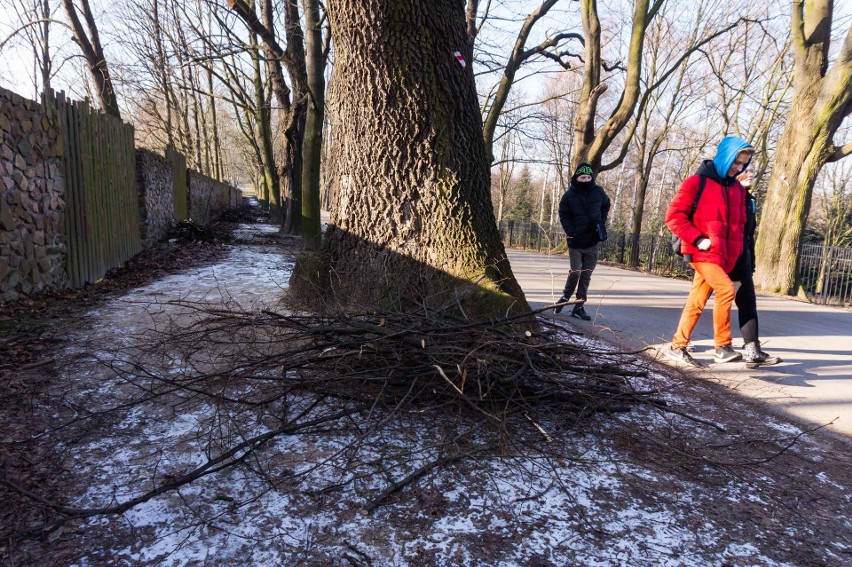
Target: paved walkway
pixel 632 309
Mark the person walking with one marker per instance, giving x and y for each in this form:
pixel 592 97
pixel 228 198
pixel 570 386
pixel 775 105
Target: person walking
pixel 746 298
pixel 711 227
pixel 583 210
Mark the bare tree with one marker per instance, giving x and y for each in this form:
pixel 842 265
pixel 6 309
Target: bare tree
pixel 314 122
pixel 753 82
pixel 590 141
pixel 520 54
pixel 412 220
pixel 89 41
pixel 822 99
pixel 34 18
pixel 559 111
pixel 835 204
pixel 291 115
pixel 505 172
pixel 655 119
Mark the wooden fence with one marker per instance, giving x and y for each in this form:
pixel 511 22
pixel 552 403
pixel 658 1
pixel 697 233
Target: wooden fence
pixel 101 220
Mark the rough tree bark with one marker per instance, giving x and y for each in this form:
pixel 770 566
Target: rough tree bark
pixel 412 219
pixel 822 98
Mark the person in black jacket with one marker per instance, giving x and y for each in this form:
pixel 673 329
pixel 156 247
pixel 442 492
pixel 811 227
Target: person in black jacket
pixel 746 298
pixel 582 211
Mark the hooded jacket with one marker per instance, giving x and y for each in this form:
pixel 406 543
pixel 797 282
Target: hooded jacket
pixel 721 212
pixel 580 210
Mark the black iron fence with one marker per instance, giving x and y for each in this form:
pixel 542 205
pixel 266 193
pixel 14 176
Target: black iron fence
pixel 826 271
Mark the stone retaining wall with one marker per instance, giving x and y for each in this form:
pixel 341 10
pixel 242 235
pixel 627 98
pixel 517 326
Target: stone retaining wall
pixel 32 245
pixel 156 197
pixel 207 197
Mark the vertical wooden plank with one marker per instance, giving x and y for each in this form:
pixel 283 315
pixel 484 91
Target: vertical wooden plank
pixel 91 219
pixel 79 194
pixel 102 239
pixel 70 209
pixel 121 182
pixel 107 191
pixel 133 202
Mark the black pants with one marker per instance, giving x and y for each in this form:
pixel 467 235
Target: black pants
pixel 746 301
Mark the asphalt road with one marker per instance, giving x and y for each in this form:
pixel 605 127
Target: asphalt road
pixel 635 310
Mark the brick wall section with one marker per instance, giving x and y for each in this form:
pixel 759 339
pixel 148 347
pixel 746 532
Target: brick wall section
pixel 32 245
pixel 156 200
pixel 207 197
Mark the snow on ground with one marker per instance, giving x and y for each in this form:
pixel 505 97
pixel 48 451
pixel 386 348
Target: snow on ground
pixel 596 508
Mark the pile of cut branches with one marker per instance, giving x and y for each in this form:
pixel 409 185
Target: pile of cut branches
pixel 420 360
pixel 455 389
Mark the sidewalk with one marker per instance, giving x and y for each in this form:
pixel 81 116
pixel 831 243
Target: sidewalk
pixel 635 310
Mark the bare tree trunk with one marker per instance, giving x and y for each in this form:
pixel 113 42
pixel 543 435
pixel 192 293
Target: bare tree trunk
pixel 591 142
pixel 46 61
pixel 161 71
pixel 263 117
pixel 314 121
pixel 90 44
pixel 821 100
pixel 412 221
pixel 294 129
pixel 291 116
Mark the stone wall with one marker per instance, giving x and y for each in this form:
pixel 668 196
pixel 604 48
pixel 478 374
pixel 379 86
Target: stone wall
pixel 156 197
pixel 33 204
pixel 32 245
pixel 207 197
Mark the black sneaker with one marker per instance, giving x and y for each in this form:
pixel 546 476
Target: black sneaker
pixel 754 356
pixel 726 354
pixel 681 356
pixel 558 308
pixel 580 313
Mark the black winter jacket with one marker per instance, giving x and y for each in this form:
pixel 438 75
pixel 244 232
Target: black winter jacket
pixel 580 212
pixel 745 263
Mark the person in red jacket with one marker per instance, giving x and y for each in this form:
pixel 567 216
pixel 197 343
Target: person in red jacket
pixel 711 242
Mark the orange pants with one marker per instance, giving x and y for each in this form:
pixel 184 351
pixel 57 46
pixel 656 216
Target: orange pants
pixel 709 278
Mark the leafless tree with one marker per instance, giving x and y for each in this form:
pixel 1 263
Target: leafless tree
pixel 822 99
pixel 592 141
pixel 88 39
pixel 33 23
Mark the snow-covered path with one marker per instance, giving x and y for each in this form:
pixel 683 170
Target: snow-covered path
pixel 296 501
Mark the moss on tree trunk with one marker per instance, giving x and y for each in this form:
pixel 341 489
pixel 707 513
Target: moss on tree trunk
pixel 411 220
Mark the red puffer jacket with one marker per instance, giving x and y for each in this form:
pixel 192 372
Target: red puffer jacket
pixel 720 216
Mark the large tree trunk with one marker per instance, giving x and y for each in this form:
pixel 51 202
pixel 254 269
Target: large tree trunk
pixel 412 220
pixel 820 103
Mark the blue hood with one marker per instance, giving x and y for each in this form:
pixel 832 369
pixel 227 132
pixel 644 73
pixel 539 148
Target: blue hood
pixel 729 148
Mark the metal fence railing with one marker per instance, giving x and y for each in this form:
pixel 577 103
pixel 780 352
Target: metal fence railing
pixel 825 271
